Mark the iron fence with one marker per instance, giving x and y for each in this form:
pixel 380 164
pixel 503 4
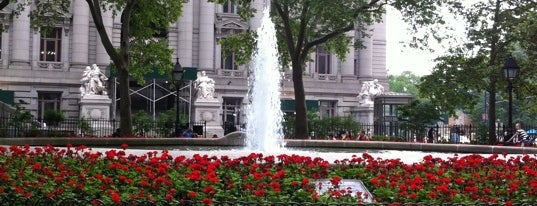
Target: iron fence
pixel 474 134
pixel 72 127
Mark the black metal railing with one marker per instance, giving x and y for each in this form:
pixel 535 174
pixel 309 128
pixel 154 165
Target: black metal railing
pixel 473 134
pixel 72 127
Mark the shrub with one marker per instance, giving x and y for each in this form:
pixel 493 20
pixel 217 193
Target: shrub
pixel 53 117
pixel 142 122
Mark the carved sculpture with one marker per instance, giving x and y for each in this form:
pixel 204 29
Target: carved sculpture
pixel 93 81
pixel 204 86
pixel 369 90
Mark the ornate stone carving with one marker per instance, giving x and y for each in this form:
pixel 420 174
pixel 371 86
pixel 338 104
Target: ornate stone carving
pixel 205 87
pixel 369 90
pixel 93 81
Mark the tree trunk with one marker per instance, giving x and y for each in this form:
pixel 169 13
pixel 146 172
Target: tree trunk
pixel 301 120
pixel 492 114
pixel 125 102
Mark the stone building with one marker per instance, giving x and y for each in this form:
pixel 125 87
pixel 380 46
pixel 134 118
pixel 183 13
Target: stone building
pixel 45 70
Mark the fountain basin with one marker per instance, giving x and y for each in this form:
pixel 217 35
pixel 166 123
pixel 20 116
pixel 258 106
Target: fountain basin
pixel 237 139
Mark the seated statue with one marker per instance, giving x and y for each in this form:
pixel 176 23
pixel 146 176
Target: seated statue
pixel 204 86
pixel 370 90
pixel 93 81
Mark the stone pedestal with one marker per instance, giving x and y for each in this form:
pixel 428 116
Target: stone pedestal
pixel 209 110
pixel 364 113
pixel 96 110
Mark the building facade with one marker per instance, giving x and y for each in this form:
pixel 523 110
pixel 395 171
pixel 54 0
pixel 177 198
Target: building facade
pixel 45 70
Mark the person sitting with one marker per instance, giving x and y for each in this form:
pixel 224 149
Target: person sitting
pixel 346 135
pixel 362 136
pixel 520 134
pixel 188 133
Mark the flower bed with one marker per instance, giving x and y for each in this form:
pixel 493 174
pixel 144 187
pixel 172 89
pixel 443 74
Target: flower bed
pixel 114 177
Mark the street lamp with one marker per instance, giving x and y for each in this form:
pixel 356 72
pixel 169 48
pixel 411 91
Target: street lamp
pixel 177 77
pixel 510 71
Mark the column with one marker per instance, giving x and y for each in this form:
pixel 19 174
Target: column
pixel 347 64
pixel 207 41
pixel 103 59
pixel 20 56
pixel 185 27
pixel 379 50
pixel 255 21
pixel 5 45
pixel 365 59
pixel 80 32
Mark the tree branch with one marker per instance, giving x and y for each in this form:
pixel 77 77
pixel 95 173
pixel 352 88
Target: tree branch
pixel 303 24
pixel 95 9
pixel 336 32
pixel 287 27
pixel 4 3
pixel 125 29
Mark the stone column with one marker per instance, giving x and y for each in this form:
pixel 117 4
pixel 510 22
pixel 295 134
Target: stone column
pixel 185 27
pixel 79 55
pixel 103 59
pixel 5 45
pixel 347 64
pixel 20 56
pixel 255 21
pixel 206 25
pixel 365 58
pixel 379 49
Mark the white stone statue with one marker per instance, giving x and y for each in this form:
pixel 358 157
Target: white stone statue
pixel 93 81
pixel 369 90
pixel 204 86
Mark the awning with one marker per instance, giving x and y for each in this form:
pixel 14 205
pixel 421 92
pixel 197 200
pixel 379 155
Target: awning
pixel 7 97
pixel 288 105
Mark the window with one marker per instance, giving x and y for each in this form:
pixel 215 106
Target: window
pixel 228 61
pixel 51 46
pixel 229 7
pixel 327 108
pixel 231 108
pixel 47 101
pixel 322 59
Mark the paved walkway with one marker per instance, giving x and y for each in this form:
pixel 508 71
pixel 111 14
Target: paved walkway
pixel 236 139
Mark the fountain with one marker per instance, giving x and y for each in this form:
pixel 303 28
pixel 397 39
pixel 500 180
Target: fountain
pixel 264 116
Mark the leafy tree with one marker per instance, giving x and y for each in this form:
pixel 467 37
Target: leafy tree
pixel 476 66
pixel 303 25
pixel 140 48
pixel 406 82
pixel 417 115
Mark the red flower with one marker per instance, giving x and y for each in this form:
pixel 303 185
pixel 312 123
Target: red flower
pixel 413 195
pixel 36 166
pixel 192 194
pixel 116 198
pixel 124 146
pixel 209 190
pixel 335 181
pixel 207 201
pixel 259 193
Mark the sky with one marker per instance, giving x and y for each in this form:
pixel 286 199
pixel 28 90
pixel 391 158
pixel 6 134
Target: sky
pixel 400 58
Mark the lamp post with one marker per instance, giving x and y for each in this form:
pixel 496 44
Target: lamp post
pixel 177 76
pixel 510 71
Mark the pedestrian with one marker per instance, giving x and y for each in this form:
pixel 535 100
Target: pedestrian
pixel 362 136
pixel 430 135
